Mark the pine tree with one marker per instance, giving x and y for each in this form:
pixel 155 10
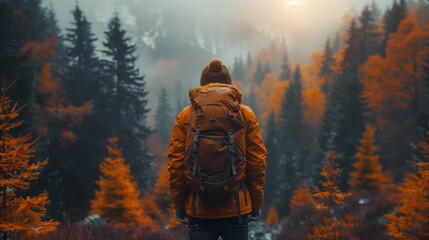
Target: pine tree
pixel 21 21
pixel 267 69
pixel 81 80
pixel 328 199
pixel 345 114
pixel 327 70
pixel 370 38
pixel 336 44
pixel 251 99
pixel 392 18
pixel 163 119
pixel 292 134
pixel 273 179
pixel 19 215
pixel 285 67
pixel 238 70
pixel 292 116
pixel 410 220
pixel 259 74
pixel 128 103
pixel 367 175
pixel 118 198
pixel 249 59
pixel 75 72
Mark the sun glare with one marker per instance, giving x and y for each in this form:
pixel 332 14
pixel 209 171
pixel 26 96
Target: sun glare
pixel 294 3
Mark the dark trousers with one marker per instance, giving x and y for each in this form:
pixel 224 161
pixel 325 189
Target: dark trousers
pixel 212 229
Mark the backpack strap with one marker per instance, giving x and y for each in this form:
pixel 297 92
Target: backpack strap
pixel 231 148
pixel 195 153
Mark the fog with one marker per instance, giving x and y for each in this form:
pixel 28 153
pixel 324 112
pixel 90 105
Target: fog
pixel 176 39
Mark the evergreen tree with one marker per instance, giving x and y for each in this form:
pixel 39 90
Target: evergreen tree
pixel 345 114
pixel 238 70
pixel 163 119
pixel 367 175
pixel 392 18
pixel 251 101
pixel 292 134
pixel 259 74
pixel 336 44
pixel 370 38
pixel 19 215
pixel 81 80
pixel 267 69
pixel 327 70
pixel 128 103
pixel 249 59
pixel 273 175
pixel 20 22
pixel 292 115
pixel 75 162
pixel 285 67
pixel 118 198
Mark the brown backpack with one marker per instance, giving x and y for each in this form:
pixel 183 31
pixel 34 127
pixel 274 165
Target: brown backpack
pixel 215 163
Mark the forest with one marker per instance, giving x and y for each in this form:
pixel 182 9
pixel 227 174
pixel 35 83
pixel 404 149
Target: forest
pixel 83 148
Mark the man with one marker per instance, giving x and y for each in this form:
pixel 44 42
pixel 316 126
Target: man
pixel 216 160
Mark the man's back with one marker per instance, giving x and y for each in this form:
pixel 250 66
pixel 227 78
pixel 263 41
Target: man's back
pixel 190 200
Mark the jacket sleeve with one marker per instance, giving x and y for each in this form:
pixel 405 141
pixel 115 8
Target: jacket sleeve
pixel 255 159
pixel 176 163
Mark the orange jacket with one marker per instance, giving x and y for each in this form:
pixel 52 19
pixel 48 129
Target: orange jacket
pixel 255 166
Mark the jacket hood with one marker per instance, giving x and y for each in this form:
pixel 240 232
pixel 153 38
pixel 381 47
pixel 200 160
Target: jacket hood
pixel 193 92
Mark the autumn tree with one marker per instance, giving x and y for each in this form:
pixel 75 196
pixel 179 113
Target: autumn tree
pixel 328 198
pixel 259 74
pixel 411 218
pixel 118 198
pixel 127 106
pixel 393 17
pixel 367 175
pixel 20 215
pixel 272 219
pixel 163 118
pixel 395 91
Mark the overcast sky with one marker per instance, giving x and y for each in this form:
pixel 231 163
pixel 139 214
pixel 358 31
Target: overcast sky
pixel 193 31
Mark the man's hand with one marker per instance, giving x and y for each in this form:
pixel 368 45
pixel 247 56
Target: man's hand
pixel 180 216
pixel 255 215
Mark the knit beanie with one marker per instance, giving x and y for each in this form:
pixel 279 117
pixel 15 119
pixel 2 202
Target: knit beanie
pixel 215 71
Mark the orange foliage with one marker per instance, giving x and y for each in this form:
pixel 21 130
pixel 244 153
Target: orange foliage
pixel 367 175
pixel 301 197
pixel 19 215
pixel 411 219
pixel 310 71
pixel 118 200
pixel 329 195
pixel 272 218
pixel 393 83
pixel 314 100
pixel 41 54
pixel 269 96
